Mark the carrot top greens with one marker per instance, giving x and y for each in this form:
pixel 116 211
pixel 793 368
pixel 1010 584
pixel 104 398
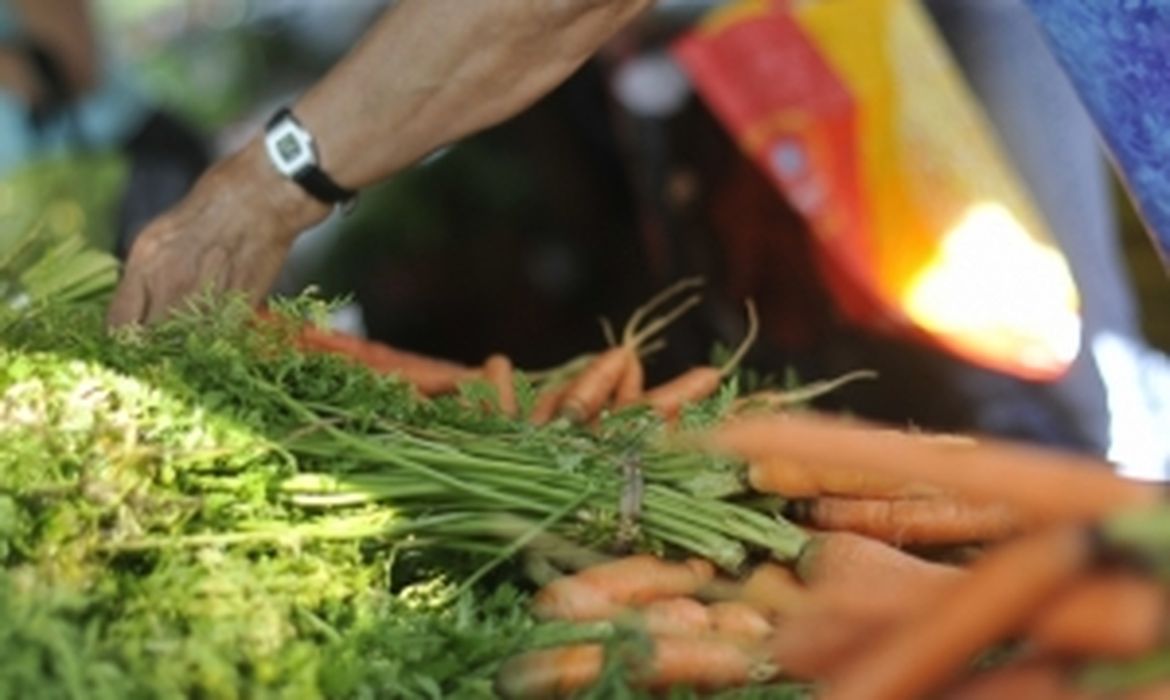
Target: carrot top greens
pixel 200 509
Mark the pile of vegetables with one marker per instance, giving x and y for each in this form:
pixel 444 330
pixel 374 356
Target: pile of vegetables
pixel 230 504
pixel 1069 602
pixel 201 507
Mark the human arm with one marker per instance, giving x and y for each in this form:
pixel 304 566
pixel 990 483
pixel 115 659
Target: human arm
pixel 427 73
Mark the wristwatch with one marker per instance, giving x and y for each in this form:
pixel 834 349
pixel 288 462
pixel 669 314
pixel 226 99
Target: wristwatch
pixel 293 153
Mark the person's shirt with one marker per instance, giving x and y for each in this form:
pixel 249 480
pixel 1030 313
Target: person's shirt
pixel 101 119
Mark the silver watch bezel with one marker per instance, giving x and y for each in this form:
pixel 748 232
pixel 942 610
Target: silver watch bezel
pixel 306 155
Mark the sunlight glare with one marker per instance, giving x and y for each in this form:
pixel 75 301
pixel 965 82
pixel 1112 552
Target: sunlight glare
pixel 999 294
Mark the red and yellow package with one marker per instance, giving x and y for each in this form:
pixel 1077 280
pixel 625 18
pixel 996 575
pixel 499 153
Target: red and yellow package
pixel 858 115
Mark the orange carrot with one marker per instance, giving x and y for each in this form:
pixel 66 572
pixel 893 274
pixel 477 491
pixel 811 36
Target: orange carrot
pixel 699 383
pixel 430 375
pixel 818 639
pixel 592 388
pixel 1041 484
pixel 738 622
pixel 704 664
pixel 547 403
pixel 912 521
pixel 630 388
pixel 497 370
pixel 1030 679
pixel 783 477
pixel 675 617
pixel 693 385
pixel 550 673
pixel 991 603
pixel 1115 614
pixel 597 383
pixel 883 574
pixel 600 592
pixel 794 479
pixel 773 590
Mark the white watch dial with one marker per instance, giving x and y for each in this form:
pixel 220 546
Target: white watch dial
pixel 290 147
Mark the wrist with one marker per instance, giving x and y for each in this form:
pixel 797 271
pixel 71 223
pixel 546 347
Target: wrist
pixel 283 200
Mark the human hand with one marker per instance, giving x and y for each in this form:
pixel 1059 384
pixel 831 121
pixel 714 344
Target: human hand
pixel 232 232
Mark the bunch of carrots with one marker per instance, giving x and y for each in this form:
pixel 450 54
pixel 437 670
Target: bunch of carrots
pixel 611 379
pixel 1040 579
pixel 924 553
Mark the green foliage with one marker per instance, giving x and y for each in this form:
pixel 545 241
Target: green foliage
pixel 197 509
pixel 56 217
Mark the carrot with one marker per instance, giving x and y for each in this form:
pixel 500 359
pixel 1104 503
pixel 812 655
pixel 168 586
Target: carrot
pixel 601 591
pixel 1041 484
pixel 783 477
pixel 912 521
pixel 631 385
pixel 1030 679
pixel 704 664
pixel 547 403
pixel 847 563
pixel 814 642
pixel 992 602
pixel 1114 614
pixel 431 376
pixel 738 622
pixel 699 383
pixel 794 479
pixel 497 370
pixel 675 617
pixel 593 387
pixel 550 673
pixel 773 590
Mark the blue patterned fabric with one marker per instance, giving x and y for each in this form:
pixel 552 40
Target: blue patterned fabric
pixel 1117 53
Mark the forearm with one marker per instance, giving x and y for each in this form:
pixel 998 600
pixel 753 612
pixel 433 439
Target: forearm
pixel 432 71
pixel 429 72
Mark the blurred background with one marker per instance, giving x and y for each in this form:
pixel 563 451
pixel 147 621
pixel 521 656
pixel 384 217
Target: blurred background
pixel 519 239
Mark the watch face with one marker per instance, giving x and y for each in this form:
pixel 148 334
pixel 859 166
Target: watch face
pixel 289 147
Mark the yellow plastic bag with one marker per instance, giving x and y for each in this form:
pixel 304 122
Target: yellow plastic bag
pixel 857 113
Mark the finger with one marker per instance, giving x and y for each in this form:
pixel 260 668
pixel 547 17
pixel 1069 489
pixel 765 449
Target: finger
pixel 160 301
pixel 256 280
pixel 170 286
pixel 129 303
pixel 211 276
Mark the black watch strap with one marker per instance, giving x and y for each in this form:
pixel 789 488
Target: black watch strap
pixel 316 182
pixel 311 177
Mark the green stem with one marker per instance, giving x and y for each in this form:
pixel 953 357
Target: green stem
pixel 518 544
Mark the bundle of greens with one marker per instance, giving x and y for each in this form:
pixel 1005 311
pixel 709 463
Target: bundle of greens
pixel 198 508
pixel 53 229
